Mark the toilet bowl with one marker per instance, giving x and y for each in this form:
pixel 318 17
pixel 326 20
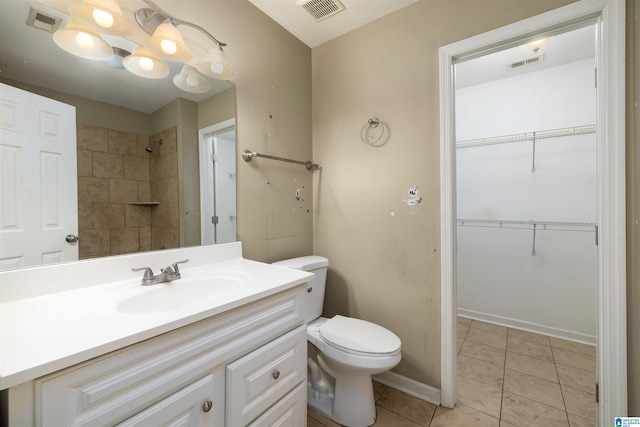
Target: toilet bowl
pixel 344 353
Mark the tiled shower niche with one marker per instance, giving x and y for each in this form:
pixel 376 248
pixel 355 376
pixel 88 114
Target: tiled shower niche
pixel 127 197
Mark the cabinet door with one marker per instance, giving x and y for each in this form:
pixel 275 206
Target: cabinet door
pixel 261 378
pixel 291 411
pixel 192 406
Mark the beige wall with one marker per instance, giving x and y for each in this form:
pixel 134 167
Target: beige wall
pixel 633 204
pixel 384 254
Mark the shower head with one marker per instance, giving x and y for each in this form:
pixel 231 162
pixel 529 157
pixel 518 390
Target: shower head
pixel 149 149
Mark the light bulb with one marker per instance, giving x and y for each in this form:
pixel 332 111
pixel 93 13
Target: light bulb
pixel 216 68
pixel 145 63
pixel 168 47
pixel 102 18
pixel 85 41
pixel 192 81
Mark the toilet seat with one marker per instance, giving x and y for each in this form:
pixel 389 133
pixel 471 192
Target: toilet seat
pixel 359 336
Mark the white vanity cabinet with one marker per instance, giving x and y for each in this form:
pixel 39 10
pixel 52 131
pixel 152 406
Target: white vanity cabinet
pixel 246 366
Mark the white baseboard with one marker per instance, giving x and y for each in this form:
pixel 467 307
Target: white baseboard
pixel 574 336
pixel 412 387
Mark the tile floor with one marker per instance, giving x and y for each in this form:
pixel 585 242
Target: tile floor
pixel 506 378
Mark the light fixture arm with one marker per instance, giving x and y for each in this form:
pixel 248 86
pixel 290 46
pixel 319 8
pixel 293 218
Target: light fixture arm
pixel 143 20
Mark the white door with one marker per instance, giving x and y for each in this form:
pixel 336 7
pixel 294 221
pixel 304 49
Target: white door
pixel 38 180
pixel 218 183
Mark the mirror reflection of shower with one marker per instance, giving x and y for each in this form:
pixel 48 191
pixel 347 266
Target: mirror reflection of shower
pixel 149 148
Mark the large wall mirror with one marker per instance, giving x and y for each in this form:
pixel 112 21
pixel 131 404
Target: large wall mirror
pixel 140 143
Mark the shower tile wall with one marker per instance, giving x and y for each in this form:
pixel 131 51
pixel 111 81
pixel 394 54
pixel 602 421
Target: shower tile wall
pixel 165 226
pixel 114 173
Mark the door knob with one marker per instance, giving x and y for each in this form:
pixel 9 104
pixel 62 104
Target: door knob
pixel 71 238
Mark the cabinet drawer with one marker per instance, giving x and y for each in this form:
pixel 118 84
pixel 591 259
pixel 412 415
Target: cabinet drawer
pixel 192 406
pixel 261 378
pixel 289 412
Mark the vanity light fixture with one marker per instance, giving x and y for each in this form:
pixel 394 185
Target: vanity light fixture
pixel 168 43
pixel 145 64
pixel 104 16
pixel 216 65
pixel 191 80
pixel 82 41
pixel 166 36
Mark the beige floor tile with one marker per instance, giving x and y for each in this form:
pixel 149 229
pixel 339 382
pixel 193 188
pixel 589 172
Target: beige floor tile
pixel 461 331
pixel 529 336
pixel 462 415
pixel 487 337
pixel 576 421
pixel 533 388
pixel 530 348
pixel 506 424
pixel 318 417
pixel 589 350
pixel 580 402
pixel 489 327
pixel 576 378
pixel 387 418
pixel 531 366
pixel 311 422
pixel 378 389
pixel 484 372
pixel 520 411
pixel 574 360
pixel 412 408
pixel 484 352
pixel 479 396
pixel 464 321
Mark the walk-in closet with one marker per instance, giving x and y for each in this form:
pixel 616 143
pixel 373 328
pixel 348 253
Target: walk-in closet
pixel 526 187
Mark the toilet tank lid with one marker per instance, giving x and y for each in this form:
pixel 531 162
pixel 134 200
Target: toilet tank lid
pixel 305 263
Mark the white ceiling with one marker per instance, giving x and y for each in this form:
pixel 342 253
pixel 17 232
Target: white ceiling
pixel 299 23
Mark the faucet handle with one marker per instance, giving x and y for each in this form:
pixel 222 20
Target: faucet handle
pixel 148 272
pixel 175 265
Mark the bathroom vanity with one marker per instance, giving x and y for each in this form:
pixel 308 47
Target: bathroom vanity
pixel 78 349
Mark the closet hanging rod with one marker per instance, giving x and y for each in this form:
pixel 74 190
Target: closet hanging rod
pixel 247 155
pixel 528 136
pixel 538 225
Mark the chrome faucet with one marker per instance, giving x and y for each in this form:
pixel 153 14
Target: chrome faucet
pixel 171 272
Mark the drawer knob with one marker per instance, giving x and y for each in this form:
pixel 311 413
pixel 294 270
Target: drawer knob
pixel 206 407
pixel 276 374
pixel 309 289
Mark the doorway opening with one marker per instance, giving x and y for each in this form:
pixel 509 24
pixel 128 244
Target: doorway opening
pixel 611 315
pixel 218 183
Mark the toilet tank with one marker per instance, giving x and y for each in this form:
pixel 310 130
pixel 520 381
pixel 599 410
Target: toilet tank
pixel 318 266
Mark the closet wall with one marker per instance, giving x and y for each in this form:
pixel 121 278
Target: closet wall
pixel 526 228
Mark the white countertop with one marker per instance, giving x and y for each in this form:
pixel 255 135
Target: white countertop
pixel 42 332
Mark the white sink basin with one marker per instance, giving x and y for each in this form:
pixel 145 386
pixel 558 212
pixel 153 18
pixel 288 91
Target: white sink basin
pixel 187 292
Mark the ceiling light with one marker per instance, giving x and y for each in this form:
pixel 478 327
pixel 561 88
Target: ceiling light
pixel 190 80
pixel 168 43
pixel 145 64
pixel 82 41
pixel 534 46
pixel 104 16
pixel 216 65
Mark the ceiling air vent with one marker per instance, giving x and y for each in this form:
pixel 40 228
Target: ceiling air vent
pixel 525 62
pixel 42 21
pixel 321 9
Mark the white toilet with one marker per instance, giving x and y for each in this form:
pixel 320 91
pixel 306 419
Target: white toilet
pixel 343 354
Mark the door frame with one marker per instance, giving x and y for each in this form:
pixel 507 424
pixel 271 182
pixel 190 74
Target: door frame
pixel 611 250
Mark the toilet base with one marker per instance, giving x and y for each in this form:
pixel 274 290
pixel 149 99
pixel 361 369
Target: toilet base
pixel 341 407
